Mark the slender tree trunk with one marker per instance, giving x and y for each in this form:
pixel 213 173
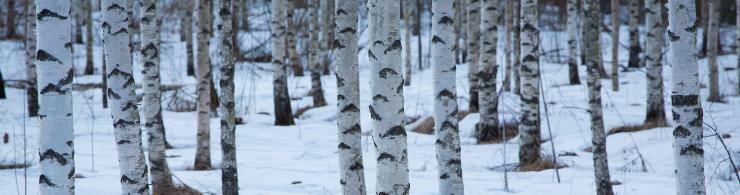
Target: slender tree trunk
pixel 152 111
pixel 187 25
pixel 529 127
pixel 2 87
pixel 351 167
pixel 598 136
pixel 229 179
pixel 473 42
pixel 386 109
pixel 408 15
pixel 89 61
pixel 461 27
pixel 704 8
pixel 203 150
pixel 314 57
pixel 294 61
pixel 615 44
pixel 56 151
pixel 281 96
pixel 122 96
pixel 31 78
pixel 487 127
pixel 245 15
pixel 78 9
pixel 654 59
pixel 712 48
pixel 508 29
pixel 686 104
pixel 516 10
pixel 10 32
pixel 737 42
pixel 104 80
pixel 445 103
pixel 328 36
pixel 634 34
pixel 572 28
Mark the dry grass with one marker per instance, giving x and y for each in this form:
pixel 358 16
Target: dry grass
pixel 426 126
pixel 633 128
pixel 512 130
pixel 543 164
pixel 301 111
pixel 178 190
pixel 14 166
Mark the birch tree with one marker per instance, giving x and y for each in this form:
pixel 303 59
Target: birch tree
pixel 56 138
pixel 529 127
pixel 122 97
pixel 152 111
pixel 10 32
pixel 516 9
pixel 634 34
pixel 737 42
pixel 615 44
pixel 89 61
pixel 327 37
pixel 712 49
pixel 77 13
pixel 687 111
pixel 508 30
pixel 314 58
pixel 229 179
pixel 654 59
pixel 351 167
pixel 204 76
pixel 598 136
pixel 386 109
pixel 408 15
pixel 487 127
pixel 30 46
pixel 572 28
pixel 473 42
pixel 445 103
pixel 187 25
pixel 281 97
pixel 294 60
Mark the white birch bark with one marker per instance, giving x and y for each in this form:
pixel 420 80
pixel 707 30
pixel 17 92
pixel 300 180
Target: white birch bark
pixel 445 103
pixel 386 109
pixel 89 61
pixel 229 179
pixel 487 127
pixel 204 76
pixel 281 97
pixel 187 25
pixel 737 42
pixel 122 97
pixel 598 136
pixel 408 15
pixel 516 9
pixel 152 111
pixel 529 125
pixel 572 28
pixel 473 41
pixel 615 44
pixel 314 57
pixel 712 49
pixel 30 46
pixel 508 30
pixel 654 59
pixel 634 34
pixel 351 167
pixel 686 103
pixel 54 58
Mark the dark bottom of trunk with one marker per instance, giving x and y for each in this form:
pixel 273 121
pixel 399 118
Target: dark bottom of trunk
pixel 487 132
pixel 283 112
pixel 298 70
pixel 573 74
pixel 33 102
pixel 229 180
pixel 656 118
pixel 89 68
pixel 529 154
pixel 190 68
pixel 202 165
pixel 715 98
pixel 2 87
pixel 214 100
pixel 473 107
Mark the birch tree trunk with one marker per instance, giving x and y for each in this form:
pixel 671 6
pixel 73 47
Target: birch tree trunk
pixel 634 34
pixel 386 109
pixel 461 27
pixel 245 15
pixel 712 49
pixel 203 107
pixel 598 136
pixel 150 40
pixel 487 127
pixel 229 179
pixel 615 44
pixel 508 25
pixel 77 12
pixel 351 167
pixel 89 61
pixel 654 59
pixel 293 57
pixel 572 28
pixel 445 103
pixel 529 127
pixel 473 42
pixel 122 96
pixel 327 17
pixel 408 15
pixel 281 97
pixel 31 78
pixel 187 25
pixel 56 147
pixel 516 9
pixel 10 32
pixel 737 42
pixel 314 60
pixel 687 112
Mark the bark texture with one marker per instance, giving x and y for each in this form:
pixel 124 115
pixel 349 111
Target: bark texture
pixel 122 97
pixel 508 30
pixel 487 127
pixel 634 34
pixel 89 61
pixel 386 109
pixel 314 62
pixel 473 41
pixel 572 28
pixel 10 32
pixel 281 97
pixel 712 49
pixel 54 58
pixel 408 10
pixel 598 136
pixel 737 42
pixel 293 57
pixel 517 45
pixel 529 127
pixel 654 63
pixel 351 167
pixel 615 44
pixel 687 111
pixel 205 79
pixel 327 37
pixel 445 102
pixel 187 25
pixel 30 46
pixel 229 179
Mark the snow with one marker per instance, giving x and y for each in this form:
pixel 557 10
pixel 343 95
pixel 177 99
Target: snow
pixel 302 159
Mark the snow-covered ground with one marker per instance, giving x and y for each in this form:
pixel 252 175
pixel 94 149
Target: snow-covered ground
pixel 302 159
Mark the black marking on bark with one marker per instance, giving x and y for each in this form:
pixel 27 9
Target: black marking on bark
pixel 355 129
pixel 45 180
pixel 371 55
pixel 437 40
pixel 115 6
pixel 53 155
pixel 380 97
pixel 113 95
pixel 374 115
pixel 42 55
pixel 385 71
pixel 681 132
pixel 445 93
pixel 348 30
pixel 126 179
pixel 129 82
pixel 684 100
pixel 120 31
pixel 48 13
pixel 384 155
pixel 692 150
pixel 395 131
pixel 128 106
pixel 356 166
pixel 394 47
pixel 343 146
pixel 446 20
pixel 117 72
pixel 444 176
pixel 123 123
pixel 342 12
pixel 672 36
